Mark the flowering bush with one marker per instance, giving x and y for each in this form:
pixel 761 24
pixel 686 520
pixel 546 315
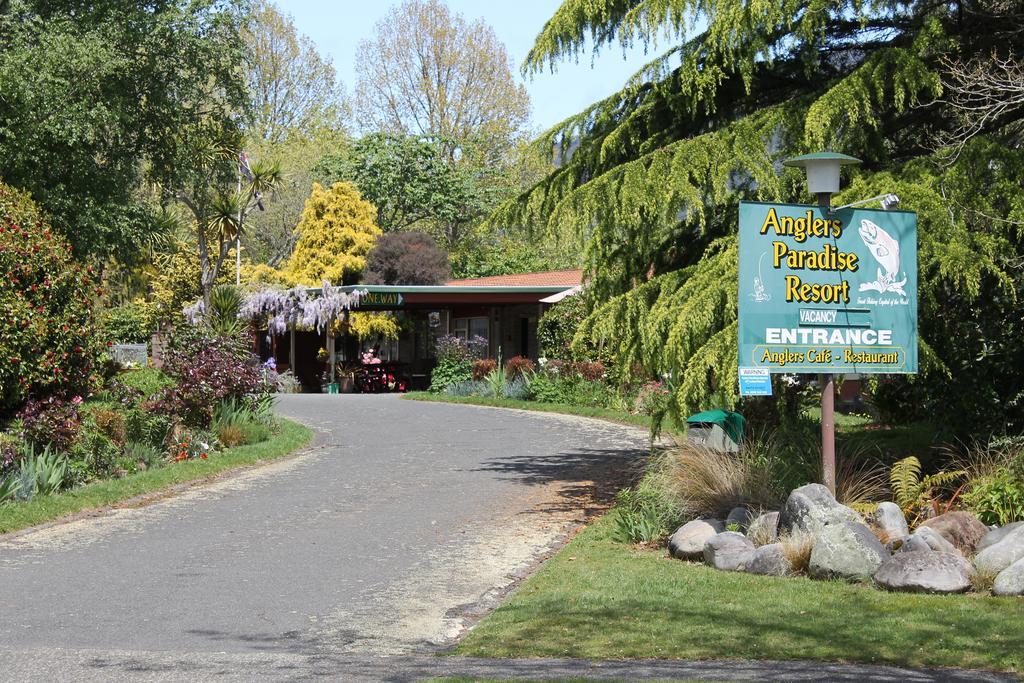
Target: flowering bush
pixel 455 360
pixel 652 399
pixel 207 376
pixel 48 345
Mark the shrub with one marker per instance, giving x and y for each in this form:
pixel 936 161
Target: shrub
pixel 48 345
pixel 645 513
pixel 146 426
pixel 919 496
pixel 652 399
pixel 146 381
pixel 558 326
pixel 455 357
pixel 193 444
pixel 517 366
pixel 110 423
pixel 495 382
pixel 51 422
pixel 130 323
pixel 483 367
pixel 592 371
pixel 406 258
pixel 997 498
pixel 206 377
pixel 11 452
pixel 144 453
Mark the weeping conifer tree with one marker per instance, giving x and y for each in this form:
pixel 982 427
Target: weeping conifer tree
pixel 649 179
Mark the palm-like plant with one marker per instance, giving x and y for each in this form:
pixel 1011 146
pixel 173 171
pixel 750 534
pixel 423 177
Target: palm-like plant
pixel 223 313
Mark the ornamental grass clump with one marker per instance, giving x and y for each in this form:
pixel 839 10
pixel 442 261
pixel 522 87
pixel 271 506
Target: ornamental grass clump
pixel 709 482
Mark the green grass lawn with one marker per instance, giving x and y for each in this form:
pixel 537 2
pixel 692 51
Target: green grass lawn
pixel 603 413
pixel 603 600
pixel 14 516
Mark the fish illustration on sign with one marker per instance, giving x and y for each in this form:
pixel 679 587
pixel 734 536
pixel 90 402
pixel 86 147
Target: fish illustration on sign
pixel 886 251
pixel 760 294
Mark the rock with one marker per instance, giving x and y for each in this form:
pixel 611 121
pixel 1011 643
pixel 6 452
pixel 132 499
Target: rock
pixel 729 551
pixel 812 507
pixel 998 534
pixel 770 561
pixel 847 550
pixel 1001 555
pixel 926 538
pixel 738 516
pixel 925 571
pixel 1010 581
pixel 889 518
pixel 764 529
pixel 687 543
pixel 960 528
pixel 915 544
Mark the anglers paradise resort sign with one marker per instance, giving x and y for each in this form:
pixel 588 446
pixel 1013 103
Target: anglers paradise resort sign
pixel 827 292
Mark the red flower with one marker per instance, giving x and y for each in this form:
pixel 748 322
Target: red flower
pixel 203 456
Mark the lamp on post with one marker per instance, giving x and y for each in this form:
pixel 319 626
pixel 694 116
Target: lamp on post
pixel 822 169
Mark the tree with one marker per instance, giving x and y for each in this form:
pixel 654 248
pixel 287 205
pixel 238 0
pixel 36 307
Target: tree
pixel 652 175
pixel 298 115
pixel 430 72
pixel 336 233
pixel 295 91
pixel 408 179
pixel 95 98
pixel 406 258
pixel 221 191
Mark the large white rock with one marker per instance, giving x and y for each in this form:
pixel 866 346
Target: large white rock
pixel 1001 555
pixel 996 535
pixel 889 518
pixel 687 543
pixel 812 507
pixel 729 551
pixel 847 550
pixel 925 571
pixel 1010 581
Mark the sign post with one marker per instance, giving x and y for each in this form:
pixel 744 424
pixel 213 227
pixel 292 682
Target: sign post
pixel 827 292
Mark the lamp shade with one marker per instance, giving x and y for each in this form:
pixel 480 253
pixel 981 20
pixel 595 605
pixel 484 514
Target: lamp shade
pixel 822 170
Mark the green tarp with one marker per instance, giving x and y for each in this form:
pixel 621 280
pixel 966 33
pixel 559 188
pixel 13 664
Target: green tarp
pixel 730 422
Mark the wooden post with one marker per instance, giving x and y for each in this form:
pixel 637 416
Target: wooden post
pixel 828 431
pixel 330 350
pixel 291 354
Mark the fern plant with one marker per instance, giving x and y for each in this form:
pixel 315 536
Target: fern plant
pixel 918 496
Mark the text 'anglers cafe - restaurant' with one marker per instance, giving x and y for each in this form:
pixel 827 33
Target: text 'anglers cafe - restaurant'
pixel 502 309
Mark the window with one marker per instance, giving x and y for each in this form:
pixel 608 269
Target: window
pixel 472 327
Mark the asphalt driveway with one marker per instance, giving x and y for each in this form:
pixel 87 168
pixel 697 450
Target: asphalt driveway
pixel 403 524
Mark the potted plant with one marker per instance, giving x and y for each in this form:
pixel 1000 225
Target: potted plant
pixel 347 377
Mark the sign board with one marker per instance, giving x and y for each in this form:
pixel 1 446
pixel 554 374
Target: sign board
pixel 130 355
pixel 755 382
pixel 833 293
pixel 381 300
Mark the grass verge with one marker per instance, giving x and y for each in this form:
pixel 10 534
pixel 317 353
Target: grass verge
pixel 15 516
pixel 608 414
pixel 604 600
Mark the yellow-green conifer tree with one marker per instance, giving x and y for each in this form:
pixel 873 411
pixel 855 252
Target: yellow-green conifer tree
pixel 336 232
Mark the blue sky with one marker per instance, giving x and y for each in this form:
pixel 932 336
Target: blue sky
pixel 337 27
